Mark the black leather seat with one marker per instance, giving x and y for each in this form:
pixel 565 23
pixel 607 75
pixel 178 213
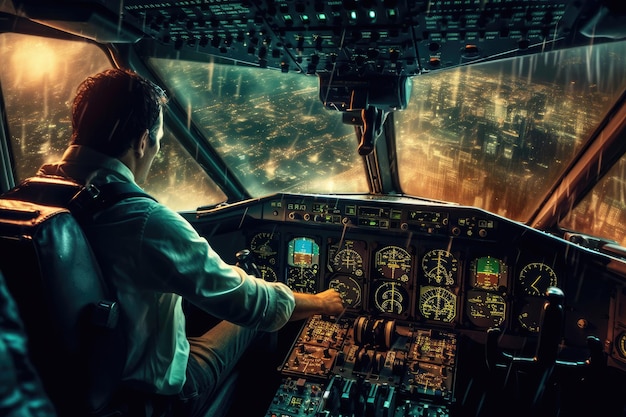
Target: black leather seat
pixel 67 310
pixel 69 313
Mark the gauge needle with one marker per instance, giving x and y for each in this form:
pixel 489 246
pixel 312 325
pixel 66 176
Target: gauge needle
pixel 534 283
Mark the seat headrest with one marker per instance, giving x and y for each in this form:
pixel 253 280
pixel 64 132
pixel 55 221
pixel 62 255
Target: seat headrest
pixel 45 190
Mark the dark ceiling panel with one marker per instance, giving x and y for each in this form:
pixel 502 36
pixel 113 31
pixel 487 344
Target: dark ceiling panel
pixel 344 37
pixel 386 36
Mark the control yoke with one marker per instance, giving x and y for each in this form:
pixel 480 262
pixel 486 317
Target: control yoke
pixel 245 261
pixel 544 363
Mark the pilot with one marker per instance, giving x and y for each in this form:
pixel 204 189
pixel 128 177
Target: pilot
pixel 154 258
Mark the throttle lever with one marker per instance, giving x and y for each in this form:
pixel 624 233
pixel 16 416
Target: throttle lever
pixel 552 317
pixel 549 336
pixel 544 368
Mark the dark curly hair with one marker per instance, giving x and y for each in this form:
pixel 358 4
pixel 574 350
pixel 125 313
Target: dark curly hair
pixel 113 108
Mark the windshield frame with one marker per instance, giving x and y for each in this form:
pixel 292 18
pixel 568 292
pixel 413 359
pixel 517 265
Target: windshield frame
pixel 380 166
pixel 601 152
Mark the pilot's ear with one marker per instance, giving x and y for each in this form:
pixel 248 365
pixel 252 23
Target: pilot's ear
pixel 142 144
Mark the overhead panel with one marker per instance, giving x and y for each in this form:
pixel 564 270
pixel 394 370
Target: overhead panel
pixel 360 37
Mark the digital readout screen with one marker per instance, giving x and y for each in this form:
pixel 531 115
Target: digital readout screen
pixel 303 252
pixel 487 273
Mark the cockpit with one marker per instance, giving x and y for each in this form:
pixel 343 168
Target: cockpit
pixel 455 169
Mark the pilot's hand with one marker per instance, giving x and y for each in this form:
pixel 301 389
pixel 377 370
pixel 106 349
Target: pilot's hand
pixel 326 302
pixel 332 303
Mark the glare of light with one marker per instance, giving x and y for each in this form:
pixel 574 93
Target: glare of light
pixel 33 60
pixel 189 115
pixel 238 85
pixel 353 15
pixel 270 169
pixel 210 72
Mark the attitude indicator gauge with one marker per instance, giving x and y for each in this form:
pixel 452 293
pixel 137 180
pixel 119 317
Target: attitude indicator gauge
pixel 303 255
pixel 394 262
pixel 391 297
pixel 437 303
pixel 440 267
pixel 489 273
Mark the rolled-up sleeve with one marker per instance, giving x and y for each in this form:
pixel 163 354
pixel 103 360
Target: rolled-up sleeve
pixel 177 259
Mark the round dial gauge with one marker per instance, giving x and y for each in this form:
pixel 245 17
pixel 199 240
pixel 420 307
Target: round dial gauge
pixel 620 344
pixel 268 273
pixel 391 297
pixel 264 246
pixel 302 279
pixel 529 316
pixel 535 278
pixel 349 289
pixel 440 267
pixel 393 262
pixel 349 258
pixel 437 303
pixel 485 309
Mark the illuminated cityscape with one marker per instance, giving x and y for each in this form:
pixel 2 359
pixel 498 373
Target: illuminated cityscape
pixel 494 136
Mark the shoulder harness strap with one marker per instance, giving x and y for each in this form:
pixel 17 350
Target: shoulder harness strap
pixel 82 201
pixel 92 199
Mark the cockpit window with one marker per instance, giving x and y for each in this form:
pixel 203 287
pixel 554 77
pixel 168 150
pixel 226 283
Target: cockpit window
pixel 498 135
pixel 602 213
pixel 270 128
pixel 39 80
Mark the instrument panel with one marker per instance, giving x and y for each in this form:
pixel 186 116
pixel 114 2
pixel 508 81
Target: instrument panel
pixel 435 265
pixel 422 283
pixel 443 282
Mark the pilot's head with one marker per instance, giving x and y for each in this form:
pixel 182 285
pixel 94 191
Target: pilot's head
pixel 115 110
